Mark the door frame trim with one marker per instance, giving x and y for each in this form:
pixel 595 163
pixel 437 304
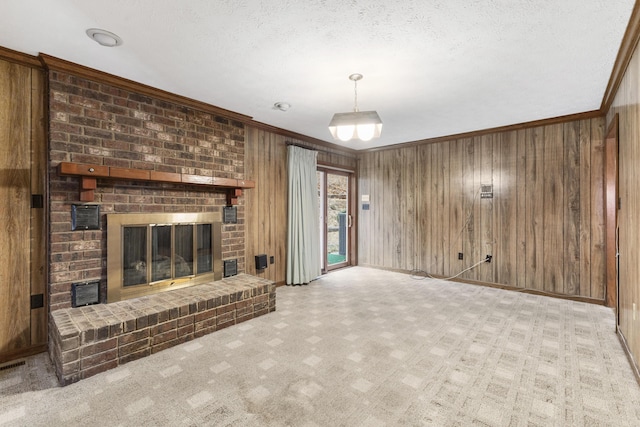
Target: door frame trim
pixel 611 205
pixel 351 211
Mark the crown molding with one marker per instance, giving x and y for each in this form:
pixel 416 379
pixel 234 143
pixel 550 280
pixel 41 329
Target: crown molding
pixel 627 48
pixel 499 129
pixel 302 138
pixel 19 58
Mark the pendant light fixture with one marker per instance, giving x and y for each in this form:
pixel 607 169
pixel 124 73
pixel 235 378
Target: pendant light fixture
pixel 362 125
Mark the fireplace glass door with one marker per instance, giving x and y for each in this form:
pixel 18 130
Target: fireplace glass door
pixel 134 255
pixel 171 252
pixel 162 255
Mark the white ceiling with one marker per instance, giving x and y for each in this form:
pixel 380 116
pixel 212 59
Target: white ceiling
pixel 431 68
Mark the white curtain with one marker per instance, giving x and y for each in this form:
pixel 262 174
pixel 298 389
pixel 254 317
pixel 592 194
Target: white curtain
pixel 303 248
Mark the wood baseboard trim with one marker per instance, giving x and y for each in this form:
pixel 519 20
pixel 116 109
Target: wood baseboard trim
pixel 500 286
pixel 630 358
pixel 19 354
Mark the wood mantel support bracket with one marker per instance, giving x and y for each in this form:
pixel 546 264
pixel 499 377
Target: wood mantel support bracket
pixel 89 175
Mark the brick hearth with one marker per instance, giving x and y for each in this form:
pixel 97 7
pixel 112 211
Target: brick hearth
pixel 88 340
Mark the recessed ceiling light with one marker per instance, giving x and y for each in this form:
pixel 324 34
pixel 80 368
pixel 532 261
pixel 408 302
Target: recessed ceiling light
pixel 282 106
pixel 105 38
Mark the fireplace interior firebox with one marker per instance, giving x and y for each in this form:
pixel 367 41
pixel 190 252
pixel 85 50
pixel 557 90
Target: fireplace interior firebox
pixel 149 253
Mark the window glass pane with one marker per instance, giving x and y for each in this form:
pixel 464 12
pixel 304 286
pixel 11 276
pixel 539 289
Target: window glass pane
pixel 184 250
pixel 160 252
pixel 205 250
pixel 337 233
pixel 134 256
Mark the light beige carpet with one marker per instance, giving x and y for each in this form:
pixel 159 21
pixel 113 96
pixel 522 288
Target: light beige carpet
pixel 362 347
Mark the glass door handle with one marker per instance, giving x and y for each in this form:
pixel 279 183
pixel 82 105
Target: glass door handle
pixel 349 221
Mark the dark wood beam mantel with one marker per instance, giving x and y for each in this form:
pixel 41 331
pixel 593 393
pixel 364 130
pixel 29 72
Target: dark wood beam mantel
pixel 89 174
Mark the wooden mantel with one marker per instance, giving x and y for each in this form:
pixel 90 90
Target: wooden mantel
pixel 90 173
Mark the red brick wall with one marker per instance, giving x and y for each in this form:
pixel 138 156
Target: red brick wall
pixel 97 123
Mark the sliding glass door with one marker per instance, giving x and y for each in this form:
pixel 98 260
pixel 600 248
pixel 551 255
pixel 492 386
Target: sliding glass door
pixel 335 218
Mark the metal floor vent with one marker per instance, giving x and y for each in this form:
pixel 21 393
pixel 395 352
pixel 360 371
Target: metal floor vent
pixel 12 365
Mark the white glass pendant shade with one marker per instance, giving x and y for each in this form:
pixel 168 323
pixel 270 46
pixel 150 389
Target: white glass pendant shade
pixel 363 125
pixel 345 132
pixel 365 132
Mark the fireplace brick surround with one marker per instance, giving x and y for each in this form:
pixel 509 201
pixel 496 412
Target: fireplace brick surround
pixel 103 120
pixel 93 122
pixel 88 340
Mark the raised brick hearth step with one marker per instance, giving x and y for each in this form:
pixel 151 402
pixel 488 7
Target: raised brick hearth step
pixel 87 340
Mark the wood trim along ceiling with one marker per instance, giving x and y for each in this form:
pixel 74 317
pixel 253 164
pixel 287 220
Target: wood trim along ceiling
pixel 627 47
pixel 19 58
pixel 303 138
pixel 507 128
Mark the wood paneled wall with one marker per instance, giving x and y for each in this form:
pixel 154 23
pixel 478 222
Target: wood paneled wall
pixel 543 226
pixel 23 270
pixel 266 205
pixel 626 106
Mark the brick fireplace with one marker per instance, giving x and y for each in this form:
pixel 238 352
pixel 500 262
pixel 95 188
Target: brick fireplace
pixel 98 121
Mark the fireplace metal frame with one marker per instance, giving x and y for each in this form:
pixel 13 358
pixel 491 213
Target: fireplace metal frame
pixel 115 224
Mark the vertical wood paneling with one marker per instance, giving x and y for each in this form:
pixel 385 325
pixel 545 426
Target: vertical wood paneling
pixel 282 209
pixel 387 210
pixel 377 204
pixel 505 183
pixel 266 204
pixel 437 205
pixel 539 226
pixel 397 189
pixel 408 208
pixel 626 105
pixel 423 213
pixel 571 169
pixel 15 187
pixel 455 211
pixel 364 216
pixel 596 226
pixel 485 229
pixel 471 205
pixel 476 244
pixel 39 316
pixel 584 231
pixel 521 208
pixel 554 209
pixel 535 205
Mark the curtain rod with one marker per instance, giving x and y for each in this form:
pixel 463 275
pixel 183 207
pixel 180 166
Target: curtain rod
pixel 307 148
pixel 320 164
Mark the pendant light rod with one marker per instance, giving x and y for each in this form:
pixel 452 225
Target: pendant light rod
pixel 354 78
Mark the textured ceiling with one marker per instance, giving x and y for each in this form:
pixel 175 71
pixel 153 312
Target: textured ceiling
pixel 431 68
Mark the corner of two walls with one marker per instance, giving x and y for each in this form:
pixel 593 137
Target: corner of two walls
pixel 266 205
pixel 625 105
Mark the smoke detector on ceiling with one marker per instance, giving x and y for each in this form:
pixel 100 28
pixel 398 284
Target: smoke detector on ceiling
pixel 104 38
